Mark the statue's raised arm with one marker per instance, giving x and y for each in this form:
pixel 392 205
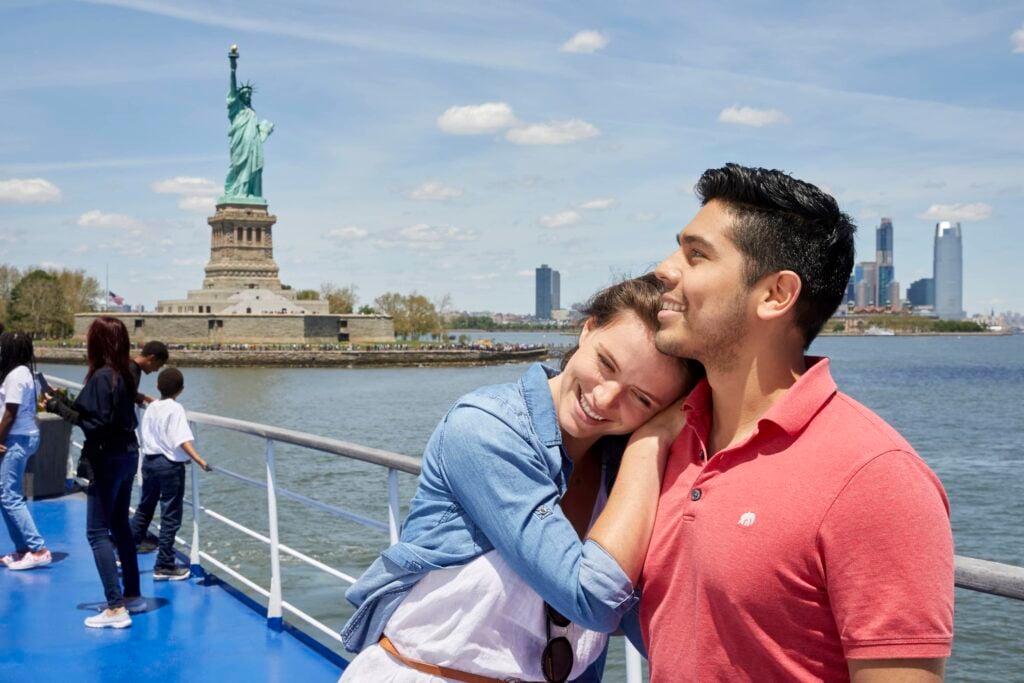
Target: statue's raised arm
pixel 244 182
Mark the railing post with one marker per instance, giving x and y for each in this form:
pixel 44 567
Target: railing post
pixel 193 555
pixel 634 664
pixel 394 511
pixel 274 619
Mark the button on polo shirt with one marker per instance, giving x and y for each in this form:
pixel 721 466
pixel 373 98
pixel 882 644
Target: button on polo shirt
pixel 821 537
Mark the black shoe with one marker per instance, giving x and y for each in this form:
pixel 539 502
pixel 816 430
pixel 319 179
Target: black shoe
pixel 145 546
pixel 171 573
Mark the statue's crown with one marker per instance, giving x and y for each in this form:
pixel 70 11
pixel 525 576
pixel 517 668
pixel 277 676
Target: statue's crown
pixel 247 86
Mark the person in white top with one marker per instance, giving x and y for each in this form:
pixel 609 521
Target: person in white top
pixel 19 440
pixel 167 446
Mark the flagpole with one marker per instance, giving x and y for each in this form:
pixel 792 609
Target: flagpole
pixel 106 297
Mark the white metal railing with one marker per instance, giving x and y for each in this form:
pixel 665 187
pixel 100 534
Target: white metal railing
pixel 979 575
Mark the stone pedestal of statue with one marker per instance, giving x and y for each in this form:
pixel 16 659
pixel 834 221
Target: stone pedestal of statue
pixel 242 248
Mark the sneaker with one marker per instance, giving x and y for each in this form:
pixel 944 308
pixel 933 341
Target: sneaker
pixel 145 547
pixel 110 618
pixel 6 560
pixel 31 560
pixel 135 605
pixel 171 573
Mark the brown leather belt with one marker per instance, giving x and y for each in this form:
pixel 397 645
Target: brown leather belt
pixel 441 671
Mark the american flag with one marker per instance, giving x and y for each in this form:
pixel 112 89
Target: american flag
pixel 114 298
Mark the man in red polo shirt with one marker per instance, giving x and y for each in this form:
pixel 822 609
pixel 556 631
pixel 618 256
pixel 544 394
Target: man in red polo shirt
pixel 798 536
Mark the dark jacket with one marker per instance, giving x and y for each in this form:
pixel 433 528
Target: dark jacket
pixel 105 410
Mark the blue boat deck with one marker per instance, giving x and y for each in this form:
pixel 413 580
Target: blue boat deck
pixel 192 630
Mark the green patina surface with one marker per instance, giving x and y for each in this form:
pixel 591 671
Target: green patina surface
pixel 244 181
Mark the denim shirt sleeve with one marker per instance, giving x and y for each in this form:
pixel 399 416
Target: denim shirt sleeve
pixel 505 485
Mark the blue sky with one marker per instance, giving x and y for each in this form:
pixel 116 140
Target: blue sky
pixel 452 147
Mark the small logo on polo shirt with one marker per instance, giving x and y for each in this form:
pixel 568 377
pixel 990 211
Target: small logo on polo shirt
pixel 747 519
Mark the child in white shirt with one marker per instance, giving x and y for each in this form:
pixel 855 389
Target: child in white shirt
pixel 167 446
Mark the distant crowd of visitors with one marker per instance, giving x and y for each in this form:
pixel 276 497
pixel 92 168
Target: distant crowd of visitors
pixel 433 346
pixel 105 410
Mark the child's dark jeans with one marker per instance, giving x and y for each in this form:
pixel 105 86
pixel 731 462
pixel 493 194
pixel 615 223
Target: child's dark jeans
pixel 163 481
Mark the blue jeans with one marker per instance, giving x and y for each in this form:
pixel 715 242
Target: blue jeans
pixel 108 498
pixel 20 525
pixel 163 481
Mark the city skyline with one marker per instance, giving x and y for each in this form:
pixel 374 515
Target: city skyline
pixel 450 149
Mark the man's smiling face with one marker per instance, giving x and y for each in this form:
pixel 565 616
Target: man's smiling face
pixel 707 307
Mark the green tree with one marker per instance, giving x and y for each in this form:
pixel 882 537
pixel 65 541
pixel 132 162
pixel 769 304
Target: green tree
pixel 9 277
pixel 80 293
pixel 341 299
pixel 38 306
pixel 393 304
pixel 366 309
pixel 422 315
pixel 307 295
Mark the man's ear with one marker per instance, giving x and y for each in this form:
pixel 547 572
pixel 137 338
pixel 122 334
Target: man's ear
pixel 779 292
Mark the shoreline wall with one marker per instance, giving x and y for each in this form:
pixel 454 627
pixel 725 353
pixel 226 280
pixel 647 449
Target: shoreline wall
pixel 314 358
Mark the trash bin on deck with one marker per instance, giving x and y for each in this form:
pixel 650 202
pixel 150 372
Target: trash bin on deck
pixel 47 470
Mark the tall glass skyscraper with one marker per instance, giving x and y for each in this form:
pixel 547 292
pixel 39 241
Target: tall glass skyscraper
pixel 948 269
pixel 544 290
pixel 556 290
pixel 883 257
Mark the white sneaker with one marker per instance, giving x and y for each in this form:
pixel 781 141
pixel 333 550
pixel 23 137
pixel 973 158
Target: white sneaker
pixel 110 618
pixel 31 560
pixel 6 560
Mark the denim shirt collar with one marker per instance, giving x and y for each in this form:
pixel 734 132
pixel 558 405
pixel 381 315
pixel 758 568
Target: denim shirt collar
pixel 540 405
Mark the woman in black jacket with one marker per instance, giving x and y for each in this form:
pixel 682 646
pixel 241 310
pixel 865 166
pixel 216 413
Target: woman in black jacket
pixel 105 410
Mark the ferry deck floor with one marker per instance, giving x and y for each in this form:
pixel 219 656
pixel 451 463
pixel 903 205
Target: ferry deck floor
pixel 191 631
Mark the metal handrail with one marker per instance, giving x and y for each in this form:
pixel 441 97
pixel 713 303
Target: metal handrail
pixel 973 574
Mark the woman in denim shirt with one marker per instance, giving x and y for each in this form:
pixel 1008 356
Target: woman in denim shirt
pixel 493 535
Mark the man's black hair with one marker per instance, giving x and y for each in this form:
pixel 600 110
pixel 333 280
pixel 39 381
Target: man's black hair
pixel 157 349
pixel 15 349
pixel 170 382
pixel 781 223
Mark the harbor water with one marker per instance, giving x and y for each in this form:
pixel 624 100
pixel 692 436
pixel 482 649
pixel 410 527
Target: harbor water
pixel 958 400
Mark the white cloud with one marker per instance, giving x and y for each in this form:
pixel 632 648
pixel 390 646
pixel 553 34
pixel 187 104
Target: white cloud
pixel 347 233
pixel 1018 39
pixel 197 204
pixel 166 243
pixel 968 213
pixel 98 219
pixel 81 249
pixel 585 42
pixel 748 116
pixel 28 191
pixel 646 216
pixel 526 273
pixel 422 232
pixel 562 219
pixel 434 191
pixel 553 133
pixel 186 185
pixel 598 204
pixel 188 262
pixel 477 119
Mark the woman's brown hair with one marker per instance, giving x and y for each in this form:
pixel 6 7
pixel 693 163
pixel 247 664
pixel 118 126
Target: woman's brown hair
pixel 107 346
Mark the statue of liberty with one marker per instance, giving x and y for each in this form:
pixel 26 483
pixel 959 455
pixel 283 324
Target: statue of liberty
pixel 244 182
